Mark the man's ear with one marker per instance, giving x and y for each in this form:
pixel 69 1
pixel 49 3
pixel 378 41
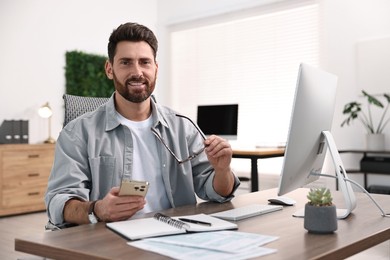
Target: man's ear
pixel 156 69
pixel 108 69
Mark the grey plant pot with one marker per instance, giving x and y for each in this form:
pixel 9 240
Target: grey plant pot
pixel 321 220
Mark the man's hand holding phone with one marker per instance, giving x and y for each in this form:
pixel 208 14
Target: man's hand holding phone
pixel 132 187
pixel 117 205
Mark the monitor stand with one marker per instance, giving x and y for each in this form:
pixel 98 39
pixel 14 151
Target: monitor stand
pixel 341 176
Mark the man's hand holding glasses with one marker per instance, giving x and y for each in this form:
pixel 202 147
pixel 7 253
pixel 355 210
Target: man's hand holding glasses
pixel 219 154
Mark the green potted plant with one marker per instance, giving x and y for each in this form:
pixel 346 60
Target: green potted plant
pixel 320 212
pixel 375 136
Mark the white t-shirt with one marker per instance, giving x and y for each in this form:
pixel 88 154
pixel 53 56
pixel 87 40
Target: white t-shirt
pixel 146 163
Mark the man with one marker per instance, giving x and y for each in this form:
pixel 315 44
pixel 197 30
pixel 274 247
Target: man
pixel 131 137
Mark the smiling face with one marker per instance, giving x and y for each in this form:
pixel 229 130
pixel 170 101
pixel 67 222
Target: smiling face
pixel 134 70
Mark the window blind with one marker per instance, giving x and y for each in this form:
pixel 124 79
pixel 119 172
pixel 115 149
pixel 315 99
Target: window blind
pixel 251 61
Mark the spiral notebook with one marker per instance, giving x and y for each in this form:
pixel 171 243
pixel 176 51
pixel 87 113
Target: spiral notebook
pixel 161 225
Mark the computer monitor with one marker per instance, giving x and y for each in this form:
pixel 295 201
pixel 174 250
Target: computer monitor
pixel 220 120
pixel 309 135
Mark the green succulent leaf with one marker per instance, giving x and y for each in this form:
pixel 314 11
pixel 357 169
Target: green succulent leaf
pixel 320 197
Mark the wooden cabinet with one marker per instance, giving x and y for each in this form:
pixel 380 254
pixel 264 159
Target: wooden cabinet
pixel 24 171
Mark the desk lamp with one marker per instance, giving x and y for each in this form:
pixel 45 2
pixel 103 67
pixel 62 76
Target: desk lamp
pixel 46 112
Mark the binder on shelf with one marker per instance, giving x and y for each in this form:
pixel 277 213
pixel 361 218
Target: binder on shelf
pixel 6 132
pixel 24 134
pixel 14 132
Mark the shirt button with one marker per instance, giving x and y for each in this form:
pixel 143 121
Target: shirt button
pixel 164 165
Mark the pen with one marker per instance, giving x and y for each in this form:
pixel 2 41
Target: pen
pixel 195 221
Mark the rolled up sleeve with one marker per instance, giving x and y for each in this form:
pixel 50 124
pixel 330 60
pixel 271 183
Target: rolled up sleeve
pixel 69 177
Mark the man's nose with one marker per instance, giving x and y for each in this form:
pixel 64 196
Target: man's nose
pixel 136 71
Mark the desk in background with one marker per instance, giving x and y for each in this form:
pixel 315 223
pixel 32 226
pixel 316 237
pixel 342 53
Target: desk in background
pixel 254 155
pixel 363 229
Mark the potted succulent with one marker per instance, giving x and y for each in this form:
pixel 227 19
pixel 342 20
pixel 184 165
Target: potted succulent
pixel 375 136
pixel 320 212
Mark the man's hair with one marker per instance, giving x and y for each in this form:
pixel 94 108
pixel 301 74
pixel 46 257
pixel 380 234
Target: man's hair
pixel 131 32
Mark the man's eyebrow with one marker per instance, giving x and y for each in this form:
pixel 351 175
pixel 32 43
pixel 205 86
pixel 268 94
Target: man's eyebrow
pixel 125 58
pixel 129 59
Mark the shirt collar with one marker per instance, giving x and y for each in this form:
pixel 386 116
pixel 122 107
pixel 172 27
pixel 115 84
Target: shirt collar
pixel 158 118
pixel 113 122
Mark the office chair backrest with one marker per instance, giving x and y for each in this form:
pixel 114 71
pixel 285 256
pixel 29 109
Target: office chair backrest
pixel 75 106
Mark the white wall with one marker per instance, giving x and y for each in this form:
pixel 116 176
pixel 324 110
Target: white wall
pixel 344 24
pixel 174 12
pixel 35 35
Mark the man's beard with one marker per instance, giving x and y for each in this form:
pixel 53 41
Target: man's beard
pixel 135 96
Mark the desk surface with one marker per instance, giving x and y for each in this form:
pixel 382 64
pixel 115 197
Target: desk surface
pixel 364 228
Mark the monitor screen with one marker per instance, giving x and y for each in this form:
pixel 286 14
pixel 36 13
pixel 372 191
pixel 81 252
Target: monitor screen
pixel 312 113
pixel 220 120
pixel 309 137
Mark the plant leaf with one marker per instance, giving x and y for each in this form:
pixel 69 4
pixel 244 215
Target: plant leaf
pixel 387 97
pixel 372 100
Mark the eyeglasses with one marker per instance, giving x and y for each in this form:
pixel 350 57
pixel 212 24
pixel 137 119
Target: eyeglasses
pixel 189 158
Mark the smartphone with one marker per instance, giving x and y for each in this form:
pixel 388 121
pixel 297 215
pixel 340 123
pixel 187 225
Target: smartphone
pixel 131 187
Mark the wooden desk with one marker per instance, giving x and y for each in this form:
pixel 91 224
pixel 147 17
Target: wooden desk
pixel 254 155
pixel 364 228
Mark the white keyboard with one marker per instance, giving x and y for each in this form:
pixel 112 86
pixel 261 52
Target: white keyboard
pixel 246 211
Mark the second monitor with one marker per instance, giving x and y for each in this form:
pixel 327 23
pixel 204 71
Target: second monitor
pixel 220 120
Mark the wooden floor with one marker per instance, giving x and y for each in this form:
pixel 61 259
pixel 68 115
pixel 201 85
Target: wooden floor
pixel 21 225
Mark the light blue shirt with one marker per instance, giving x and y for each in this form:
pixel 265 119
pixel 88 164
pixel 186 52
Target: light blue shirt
pixel 94 151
